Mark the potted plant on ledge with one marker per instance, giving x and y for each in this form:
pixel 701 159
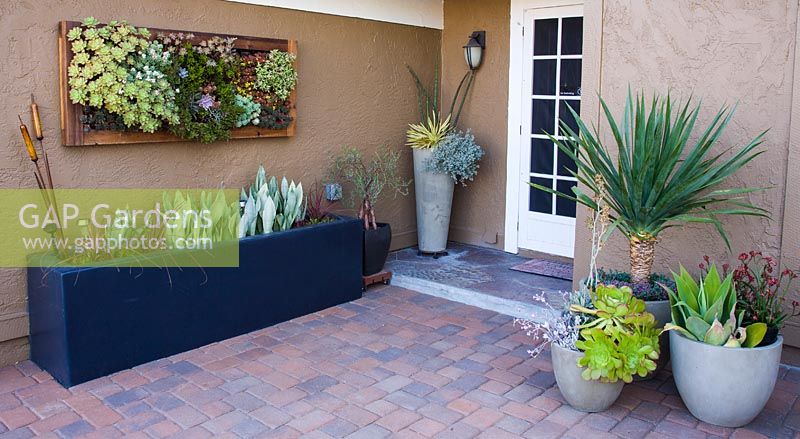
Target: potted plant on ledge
pixel 722 375
pixel 443 157
pixel 368 181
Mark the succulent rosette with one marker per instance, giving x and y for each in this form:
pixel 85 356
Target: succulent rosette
pixel 116 68
pixel 619 339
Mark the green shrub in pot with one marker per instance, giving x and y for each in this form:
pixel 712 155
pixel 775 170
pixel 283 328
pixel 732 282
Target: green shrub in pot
pixel 367 178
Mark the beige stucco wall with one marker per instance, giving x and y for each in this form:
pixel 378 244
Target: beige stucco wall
pixel 353 89
pixel 478 209
pixel 790 239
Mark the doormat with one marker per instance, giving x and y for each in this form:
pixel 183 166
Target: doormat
pixel 546 267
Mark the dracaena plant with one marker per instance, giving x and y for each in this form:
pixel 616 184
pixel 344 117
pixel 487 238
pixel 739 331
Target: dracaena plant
pixel 655 176
pixel 619 339
pixel 700 308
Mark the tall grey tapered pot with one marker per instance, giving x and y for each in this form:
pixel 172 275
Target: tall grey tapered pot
pixel 584 395
pixel 434 194
pixel 724 386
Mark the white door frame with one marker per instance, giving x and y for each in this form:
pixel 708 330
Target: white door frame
pixel 515 84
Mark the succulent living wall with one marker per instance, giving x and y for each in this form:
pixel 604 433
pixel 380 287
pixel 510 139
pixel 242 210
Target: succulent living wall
pixel 125 77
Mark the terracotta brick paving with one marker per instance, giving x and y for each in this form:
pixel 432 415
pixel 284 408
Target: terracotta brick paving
pixel 393 364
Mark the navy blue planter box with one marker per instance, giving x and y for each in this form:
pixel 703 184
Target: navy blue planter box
pixel 89 322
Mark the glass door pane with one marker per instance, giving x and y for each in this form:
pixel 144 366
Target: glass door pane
pixel 556 75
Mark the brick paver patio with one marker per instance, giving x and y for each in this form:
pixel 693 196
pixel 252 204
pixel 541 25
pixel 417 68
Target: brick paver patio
pixel 393 364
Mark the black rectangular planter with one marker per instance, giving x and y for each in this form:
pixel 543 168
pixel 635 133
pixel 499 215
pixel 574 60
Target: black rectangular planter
pixel 89 322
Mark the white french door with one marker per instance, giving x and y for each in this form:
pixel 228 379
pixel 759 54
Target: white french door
pixel 553 42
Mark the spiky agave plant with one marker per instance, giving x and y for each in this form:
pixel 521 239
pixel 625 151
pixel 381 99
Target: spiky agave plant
pixel 657 178
pixel 428 134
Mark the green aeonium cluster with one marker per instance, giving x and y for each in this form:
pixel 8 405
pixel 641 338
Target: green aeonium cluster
pixel 277 75
pixel 99 75
pixel 620 339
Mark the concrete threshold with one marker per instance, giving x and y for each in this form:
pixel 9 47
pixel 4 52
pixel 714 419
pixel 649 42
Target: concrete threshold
pixel 477 299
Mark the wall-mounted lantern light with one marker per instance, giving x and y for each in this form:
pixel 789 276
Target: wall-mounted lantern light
pixel 473 51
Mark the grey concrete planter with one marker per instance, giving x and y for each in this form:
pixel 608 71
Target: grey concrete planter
pixel 584 395
pixel 661 310
pixel 724 386
pixel 434 193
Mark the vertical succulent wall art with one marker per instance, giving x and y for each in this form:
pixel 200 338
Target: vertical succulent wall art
pixel 126 84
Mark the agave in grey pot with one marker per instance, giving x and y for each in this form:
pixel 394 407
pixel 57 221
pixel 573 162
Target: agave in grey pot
pixel 722 377
pixel 722 385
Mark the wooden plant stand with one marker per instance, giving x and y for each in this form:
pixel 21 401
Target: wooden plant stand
pixel 384 277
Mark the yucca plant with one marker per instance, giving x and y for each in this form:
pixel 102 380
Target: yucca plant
pixel 657 178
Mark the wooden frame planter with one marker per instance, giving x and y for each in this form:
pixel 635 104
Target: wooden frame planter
pixel 90 322
pixel 73 132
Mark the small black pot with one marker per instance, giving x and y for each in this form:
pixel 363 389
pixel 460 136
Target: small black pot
pixel 770 336
pixel 376 248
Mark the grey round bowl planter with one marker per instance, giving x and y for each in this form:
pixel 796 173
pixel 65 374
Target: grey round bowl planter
pixel 584 395
pixel 434 194
pixel 724 386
